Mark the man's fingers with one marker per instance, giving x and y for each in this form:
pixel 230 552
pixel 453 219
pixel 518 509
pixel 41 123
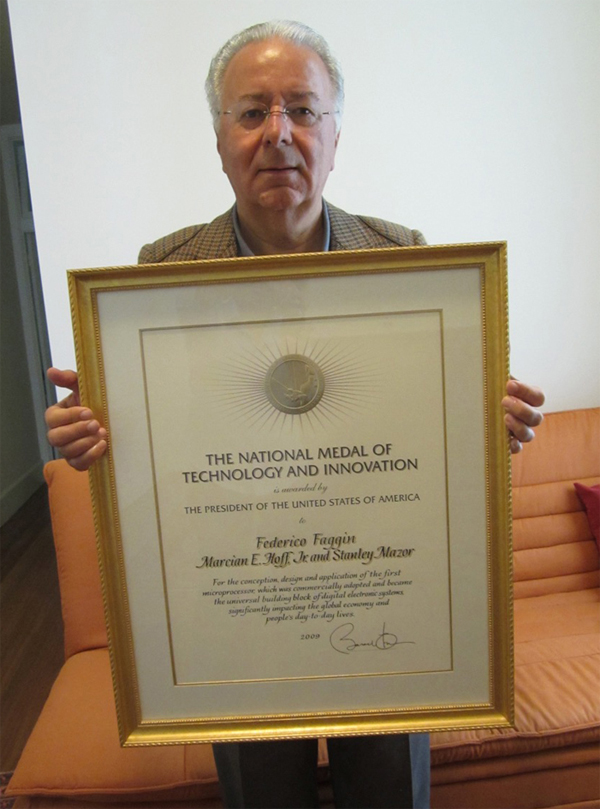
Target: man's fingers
pixel 62 436
pixel 84 461
pixel 72 429
pixel 515 445
pixel 521 411
pixel 60 414
pixel 520 404
pixel 518 429
pixel 78 450
pixel 530 394
pixel 65 379
pixel 80 439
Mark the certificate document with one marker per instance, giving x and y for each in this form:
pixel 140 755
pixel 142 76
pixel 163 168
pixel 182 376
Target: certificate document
pixel 305 506
pixel 306 491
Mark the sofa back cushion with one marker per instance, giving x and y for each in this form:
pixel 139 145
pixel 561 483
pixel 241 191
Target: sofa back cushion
pixel 553 543
pixel 78 572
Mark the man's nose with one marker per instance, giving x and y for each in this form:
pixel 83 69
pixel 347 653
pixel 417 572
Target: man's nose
pixel 278 128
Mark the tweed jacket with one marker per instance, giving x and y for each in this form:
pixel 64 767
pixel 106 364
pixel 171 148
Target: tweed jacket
pixel 217 239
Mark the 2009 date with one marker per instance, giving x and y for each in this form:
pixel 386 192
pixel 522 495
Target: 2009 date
pixel 313 636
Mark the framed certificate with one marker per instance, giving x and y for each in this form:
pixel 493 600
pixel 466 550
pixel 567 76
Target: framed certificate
pixel 303 519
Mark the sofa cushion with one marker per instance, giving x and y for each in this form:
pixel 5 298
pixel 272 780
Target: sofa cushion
pixel 74 749
pixel 75 543
pixel 557 682
pixel 563 779
pixel 562 450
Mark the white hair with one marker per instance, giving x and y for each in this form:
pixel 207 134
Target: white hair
pixel 295 32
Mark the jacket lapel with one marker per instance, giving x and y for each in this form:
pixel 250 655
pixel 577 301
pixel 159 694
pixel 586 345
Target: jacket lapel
pixel 216 240
pixel 347 232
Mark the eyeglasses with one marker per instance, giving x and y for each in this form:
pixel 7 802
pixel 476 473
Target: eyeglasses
pixel 253 114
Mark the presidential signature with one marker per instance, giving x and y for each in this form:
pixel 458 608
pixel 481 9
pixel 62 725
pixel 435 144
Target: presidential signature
pixel 342 640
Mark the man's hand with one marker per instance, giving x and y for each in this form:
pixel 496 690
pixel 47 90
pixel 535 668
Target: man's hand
pixel 72 429
pixel 521 413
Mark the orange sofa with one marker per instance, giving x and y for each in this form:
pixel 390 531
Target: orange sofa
pixel 550 758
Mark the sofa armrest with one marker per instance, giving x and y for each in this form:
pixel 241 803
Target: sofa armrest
pixel 78 571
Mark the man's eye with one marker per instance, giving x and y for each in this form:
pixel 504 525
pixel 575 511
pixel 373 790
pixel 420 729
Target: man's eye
pixel 301 112
pixel 252 114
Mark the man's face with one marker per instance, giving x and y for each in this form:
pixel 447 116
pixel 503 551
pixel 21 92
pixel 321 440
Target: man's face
pixel 279 165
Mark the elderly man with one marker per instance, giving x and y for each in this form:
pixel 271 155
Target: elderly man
pixel 276 96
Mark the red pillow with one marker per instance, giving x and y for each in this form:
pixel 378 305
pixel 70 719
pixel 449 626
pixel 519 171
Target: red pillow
pixel 590 498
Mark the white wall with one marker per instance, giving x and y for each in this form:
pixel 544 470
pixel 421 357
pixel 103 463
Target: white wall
pixel 469 120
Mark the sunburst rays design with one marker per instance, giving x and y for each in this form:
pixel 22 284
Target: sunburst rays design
pixel 351 385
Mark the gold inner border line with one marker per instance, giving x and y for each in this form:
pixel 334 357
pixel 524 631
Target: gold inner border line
pixel 317 677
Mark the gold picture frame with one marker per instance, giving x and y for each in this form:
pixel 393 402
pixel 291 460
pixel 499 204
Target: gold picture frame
pixel 303 518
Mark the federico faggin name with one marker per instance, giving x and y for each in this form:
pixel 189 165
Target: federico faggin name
pixel 281 552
